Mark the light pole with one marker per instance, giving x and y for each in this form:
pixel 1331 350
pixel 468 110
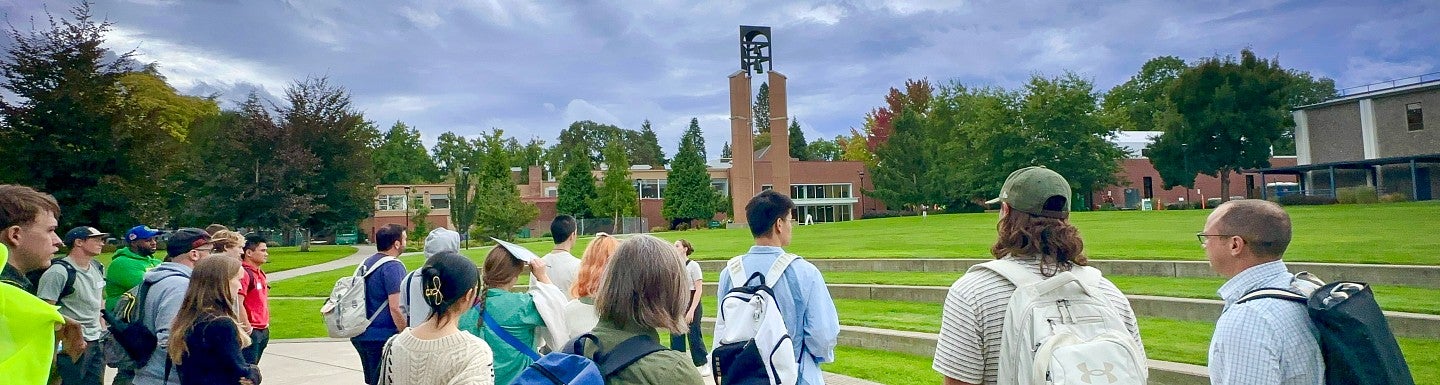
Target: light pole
pixel 465 206
pixel 407 208
pixel 1185 162
pixel 860 196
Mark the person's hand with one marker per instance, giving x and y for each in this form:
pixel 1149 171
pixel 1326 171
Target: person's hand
pixel 537 266
pixel 71 338
pixel 246 381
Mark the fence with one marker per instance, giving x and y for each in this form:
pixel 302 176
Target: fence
pixel 628 225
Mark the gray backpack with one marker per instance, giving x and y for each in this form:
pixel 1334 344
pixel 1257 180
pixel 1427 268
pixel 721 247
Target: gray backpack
pixel 344 312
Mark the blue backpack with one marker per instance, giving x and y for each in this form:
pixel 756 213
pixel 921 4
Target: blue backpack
pixel 571 366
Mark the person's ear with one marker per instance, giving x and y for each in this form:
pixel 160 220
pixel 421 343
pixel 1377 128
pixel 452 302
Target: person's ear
pixel 11 235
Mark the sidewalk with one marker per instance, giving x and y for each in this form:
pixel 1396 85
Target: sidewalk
pixel 334 361
pixel 361 253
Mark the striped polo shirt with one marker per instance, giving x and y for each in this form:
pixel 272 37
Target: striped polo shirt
pixel 973 322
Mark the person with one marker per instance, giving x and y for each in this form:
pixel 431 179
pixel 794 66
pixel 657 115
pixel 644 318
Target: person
pixel 694 312
pixel 800 293
pixel 438 241
pixel 536 318
pixel 206 336
pixel 436 351
pixel 382 294
pixel 649 294
pixel 562 266
pixel 580 314
pixel 130 263
pixel 81 300
pixel 27 338
pixel 1034 233
pixel 1267 340
pixel 255 296
pixel 168 285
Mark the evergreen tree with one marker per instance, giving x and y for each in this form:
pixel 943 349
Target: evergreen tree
pixel 689 196
pixel 617 197
pixel 797 141
pixel 649 151
pixel 499 211
pixel 577 187
pixel 761 112
pixel 725 151
pixel 401 158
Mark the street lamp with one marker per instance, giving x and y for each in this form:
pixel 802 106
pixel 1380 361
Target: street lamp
pixel 465 206
pixel 861 196
pixel 1185 162
pixel 407 208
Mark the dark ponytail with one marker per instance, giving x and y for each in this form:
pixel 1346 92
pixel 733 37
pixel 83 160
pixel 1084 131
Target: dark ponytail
pixel 445 280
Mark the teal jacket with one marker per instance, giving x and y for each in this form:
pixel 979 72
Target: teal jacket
pixel 124 272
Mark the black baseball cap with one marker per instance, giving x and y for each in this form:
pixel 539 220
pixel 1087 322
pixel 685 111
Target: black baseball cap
pixel 82 232
pixel 186 239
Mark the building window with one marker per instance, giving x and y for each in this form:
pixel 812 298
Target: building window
pixel 551 192
pixel 721 185
pixel 440 201
pixel 390 203
pixel 820 191
pixel 650 188
pixel 766 187
pixel 1413 117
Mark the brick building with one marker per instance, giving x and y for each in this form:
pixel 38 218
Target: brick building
pixel 1139 179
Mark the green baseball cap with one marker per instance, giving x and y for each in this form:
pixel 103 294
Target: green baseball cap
pixel 1030 189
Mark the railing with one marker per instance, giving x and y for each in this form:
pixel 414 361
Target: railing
pixel 1389 84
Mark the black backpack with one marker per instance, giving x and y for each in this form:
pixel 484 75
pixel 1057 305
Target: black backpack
pixel 70 273
pixel 1355 339
pixel 127 322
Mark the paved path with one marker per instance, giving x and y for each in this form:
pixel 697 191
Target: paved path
pixel 334 361
pixel 361 253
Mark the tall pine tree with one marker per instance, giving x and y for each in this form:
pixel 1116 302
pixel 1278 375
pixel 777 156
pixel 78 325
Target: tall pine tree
pixel 577 187
pixel 648 151
pixel 688 196
pixel 761 112
pixel 797 141
pixel 617 197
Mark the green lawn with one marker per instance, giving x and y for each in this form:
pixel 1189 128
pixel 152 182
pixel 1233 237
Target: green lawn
pixel 1394 298
pixel 296 318
pixel 319 284
pixel 282 258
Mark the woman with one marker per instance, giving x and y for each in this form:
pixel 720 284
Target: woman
pixel 436 351
pixel 649 293
pixel 534 319
pixel 695 278
pixel 206 339
pixel 580 312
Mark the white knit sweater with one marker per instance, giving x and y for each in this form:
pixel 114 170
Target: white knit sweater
pixel 456 359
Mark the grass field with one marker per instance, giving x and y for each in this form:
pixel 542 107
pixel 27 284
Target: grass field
pixel 282 258
pixel 1391 233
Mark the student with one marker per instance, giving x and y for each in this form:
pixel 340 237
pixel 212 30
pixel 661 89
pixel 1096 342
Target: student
pixel 27 229
pixel 800 293
pixel 562 266
pixel 580 312
pixel 1267 340
pixel 436 351
pixel 537 315
pixel 127 269
pixel 1035 238
pixel 382 294
pixel 438 241
pixel 694 312
pixel 649 293
pixel 82 303
pixel 255 296
pixel 206 337
pixel 168 286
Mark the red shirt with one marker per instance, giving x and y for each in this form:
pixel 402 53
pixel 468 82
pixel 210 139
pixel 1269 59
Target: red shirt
pixel 255 294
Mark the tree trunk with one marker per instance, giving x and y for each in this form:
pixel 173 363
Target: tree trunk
pixel 305 240
pixel 1225 184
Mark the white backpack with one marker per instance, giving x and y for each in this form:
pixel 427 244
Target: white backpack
pixel 752 345
pixel 1062 330
pixel 344 311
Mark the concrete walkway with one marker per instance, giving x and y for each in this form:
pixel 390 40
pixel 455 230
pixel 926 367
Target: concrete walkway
pixel 334 361
pixel 361 252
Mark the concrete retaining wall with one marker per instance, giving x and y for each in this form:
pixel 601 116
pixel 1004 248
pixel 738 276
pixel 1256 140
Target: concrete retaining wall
pixel 1407 275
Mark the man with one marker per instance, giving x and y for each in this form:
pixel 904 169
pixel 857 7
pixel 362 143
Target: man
pixel 1033 200
pixel 168 283
pixel 563 266
pixel 440 240
pixel 800 294
pixel 1268 340
pixel 382 294
pixel 255 296
pixel 129 264
pixel 76 283
pixel 27 240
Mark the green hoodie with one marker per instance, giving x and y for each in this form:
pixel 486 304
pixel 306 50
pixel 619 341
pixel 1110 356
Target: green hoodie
pixel 125 271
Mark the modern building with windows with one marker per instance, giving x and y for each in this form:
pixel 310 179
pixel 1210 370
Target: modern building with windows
pixel 397 204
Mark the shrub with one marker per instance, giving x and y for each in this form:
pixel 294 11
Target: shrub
pixel 1108 207
pixel 658 229
pixel 963 207
pixel 887 214
pixel 1345 195
pixel 1182 206
pixel 1366 194
pixel 682 227
pixel 1300 200
pixel 1394 197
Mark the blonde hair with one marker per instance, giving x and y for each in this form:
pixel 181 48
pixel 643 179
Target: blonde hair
pixel 645 286
pixel 226 239
pixel 592 265
pixel 208 297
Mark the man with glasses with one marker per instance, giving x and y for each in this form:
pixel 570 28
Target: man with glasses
pixel 1261 341
pixel 165 296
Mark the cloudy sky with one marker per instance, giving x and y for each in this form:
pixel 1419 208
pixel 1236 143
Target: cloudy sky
pixel 532 67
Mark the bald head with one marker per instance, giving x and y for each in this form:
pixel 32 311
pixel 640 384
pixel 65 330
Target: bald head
pixel 1263 224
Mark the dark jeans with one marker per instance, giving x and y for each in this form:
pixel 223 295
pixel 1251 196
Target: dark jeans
pixel 89 370
pixel 371 354
pixel 697 340
pixel 259 339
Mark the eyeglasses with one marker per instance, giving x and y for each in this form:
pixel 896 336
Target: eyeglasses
pixel 1201 236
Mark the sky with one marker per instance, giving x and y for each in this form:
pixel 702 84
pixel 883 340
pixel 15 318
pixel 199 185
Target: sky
pixel 533 67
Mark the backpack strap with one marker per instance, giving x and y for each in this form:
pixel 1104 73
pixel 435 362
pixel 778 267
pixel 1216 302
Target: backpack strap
pixel 736 269
pixel 777 269
pixel 626 353
pixel 1269 292
pixel 1011 270
pixel 375 266
pixel 507 337
pixel 70 273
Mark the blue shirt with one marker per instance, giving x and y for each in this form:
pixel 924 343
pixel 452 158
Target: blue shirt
pixel 810 317
pixel 1264 341
pixel 379 285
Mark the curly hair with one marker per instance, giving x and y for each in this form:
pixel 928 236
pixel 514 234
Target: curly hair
pixel 1054 241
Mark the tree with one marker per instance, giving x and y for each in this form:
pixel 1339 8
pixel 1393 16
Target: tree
pixel 1134 105
pixel 617 197
pixel 463 203
pixel 499 212
pixel 824 150
pixel 452 152
pixel 321 118
pixel 400 158
pixel 648 149
pixel 725 151
pixel 1231 113
pixel 577 188
pixel 1302 89
pixel 797 141
pixel 906 165
pixel 854 148
pixel 1066 133
pixel 420 223
pixel 689 196
pixel 879 122
pixel 761 114
pixel 281 170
